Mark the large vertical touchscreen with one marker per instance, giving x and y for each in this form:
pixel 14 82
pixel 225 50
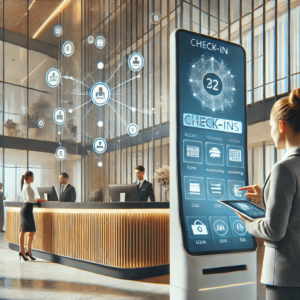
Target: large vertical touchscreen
pixel 211 142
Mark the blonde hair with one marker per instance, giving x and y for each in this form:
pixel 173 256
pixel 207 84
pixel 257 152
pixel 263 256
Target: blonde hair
pixel 288 110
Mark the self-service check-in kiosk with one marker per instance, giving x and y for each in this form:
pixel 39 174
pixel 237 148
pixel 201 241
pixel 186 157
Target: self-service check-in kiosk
pixel 212 256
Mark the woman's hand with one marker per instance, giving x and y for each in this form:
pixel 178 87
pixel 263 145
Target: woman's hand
pixel 253 191
pixel 41 200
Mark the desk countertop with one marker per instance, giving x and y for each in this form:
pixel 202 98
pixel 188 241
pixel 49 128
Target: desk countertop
pixel 96 205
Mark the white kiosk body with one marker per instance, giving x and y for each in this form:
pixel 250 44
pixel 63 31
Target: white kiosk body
pixel 212 256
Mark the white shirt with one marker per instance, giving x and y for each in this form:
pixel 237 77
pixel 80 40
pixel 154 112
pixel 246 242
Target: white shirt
pixel 288 152
pixel 28 194
pixel 65 186
pixel 140 183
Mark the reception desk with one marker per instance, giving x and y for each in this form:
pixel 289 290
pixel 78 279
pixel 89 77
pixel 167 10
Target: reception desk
pixel 124 240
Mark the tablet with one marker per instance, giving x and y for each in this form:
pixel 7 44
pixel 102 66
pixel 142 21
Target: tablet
pixel 245 208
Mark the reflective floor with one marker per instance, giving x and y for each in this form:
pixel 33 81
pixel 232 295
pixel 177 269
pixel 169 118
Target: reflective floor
pixel 46 280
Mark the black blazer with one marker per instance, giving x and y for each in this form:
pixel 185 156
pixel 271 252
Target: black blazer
pixel 145 191
pixel 68 195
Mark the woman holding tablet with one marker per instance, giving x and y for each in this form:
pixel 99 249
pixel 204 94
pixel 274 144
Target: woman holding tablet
pixel 26 214
pixel 280 228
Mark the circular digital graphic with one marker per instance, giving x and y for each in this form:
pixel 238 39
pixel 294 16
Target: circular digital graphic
pixel 40 123
pixel 136 62
pixel 68 48
pixel 90 39
pixel 132 129
pixel 61 153
pixel 99 164
pixel 100 145
pixel 155 18
pixel 23 109
pixel 59 116
pixel 100 93
pixel 100 42
pixel 57 30
pixel 220 227
pixel 212 84
pixel 239 227
pixel 100 124
pixel 100 65
pixel 53 77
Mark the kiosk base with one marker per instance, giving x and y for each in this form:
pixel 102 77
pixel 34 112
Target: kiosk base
pixel 246 291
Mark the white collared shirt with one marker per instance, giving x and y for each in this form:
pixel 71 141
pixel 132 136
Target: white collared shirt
pixel 285 156
pixel 140 183
pixel 28 194
pixel 65 186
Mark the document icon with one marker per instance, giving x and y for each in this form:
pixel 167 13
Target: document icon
pixel 199 228
pixel 194 188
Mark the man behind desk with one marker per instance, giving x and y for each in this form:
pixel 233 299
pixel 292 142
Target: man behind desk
pixel 68 193
pixel 144 187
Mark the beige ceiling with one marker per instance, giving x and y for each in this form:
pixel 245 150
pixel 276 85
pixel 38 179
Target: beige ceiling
pixel 16 12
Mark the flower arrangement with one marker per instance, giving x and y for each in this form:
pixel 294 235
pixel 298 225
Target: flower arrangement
pixel 10 124
pixel 162 175
pixel 11 128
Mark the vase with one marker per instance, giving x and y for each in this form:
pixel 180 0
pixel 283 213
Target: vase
pixel 166 191
pixel 33 132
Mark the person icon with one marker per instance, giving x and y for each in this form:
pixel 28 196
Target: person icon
pixel 59 116
pixel 132 129
pixel 100 94
pixel 136 61
pixel 53 77
pixel 67 48
pixel 99 43
pixel 57 30
pixel 155 17
pixel 60 153
pixel 100 146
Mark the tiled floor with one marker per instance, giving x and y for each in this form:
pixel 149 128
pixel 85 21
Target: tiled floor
pixel 45 280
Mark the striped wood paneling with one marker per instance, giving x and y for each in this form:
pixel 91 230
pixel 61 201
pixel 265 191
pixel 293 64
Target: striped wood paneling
pixel 119 237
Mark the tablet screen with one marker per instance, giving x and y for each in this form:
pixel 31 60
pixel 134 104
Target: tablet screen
pixel 247 208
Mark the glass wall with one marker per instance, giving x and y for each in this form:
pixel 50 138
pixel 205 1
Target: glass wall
pixel 28 49
pixel 268 30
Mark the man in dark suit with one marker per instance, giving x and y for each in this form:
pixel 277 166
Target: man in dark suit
pixel 144 187
pixel 67 193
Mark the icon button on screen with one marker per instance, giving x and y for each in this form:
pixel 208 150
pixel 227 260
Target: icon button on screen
pixel 192 152
pixel 216 189
pixel 198 228
pixel 233 189
pixel 194 188
pixel 214 154
pixel 235 156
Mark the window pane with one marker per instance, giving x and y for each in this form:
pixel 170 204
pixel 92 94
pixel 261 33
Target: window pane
pixel 282 51
pixel 15 167
pixel 15 64
pixel 45 167
pixel 15 123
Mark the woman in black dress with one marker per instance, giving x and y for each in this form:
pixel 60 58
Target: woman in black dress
pixel 26 214
pixel 1 208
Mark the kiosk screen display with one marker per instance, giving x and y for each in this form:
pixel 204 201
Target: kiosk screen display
pixel 211 142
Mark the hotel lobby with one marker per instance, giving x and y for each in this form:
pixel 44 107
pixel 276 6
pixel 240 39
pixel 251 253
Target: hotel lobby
pixel 91 94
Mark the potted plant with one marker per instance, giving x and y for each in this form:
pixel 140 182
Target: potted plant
pixel 32 126
pixel 11 128
pixel 39 109
pixel 162 176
